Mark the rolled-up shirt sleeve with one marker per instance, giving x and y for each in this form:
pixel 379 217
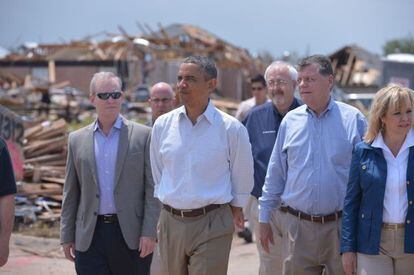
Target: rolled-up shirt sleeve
pixel 241 166
pixel 275 177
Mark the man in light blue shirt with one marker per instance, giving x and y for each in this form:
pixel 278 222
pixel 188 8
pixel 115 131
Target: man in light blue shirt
pixel 308 172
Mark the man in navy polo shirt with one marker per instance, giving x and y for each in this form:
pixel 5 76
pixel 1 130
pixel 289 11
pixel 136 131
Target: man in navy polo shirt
pixel 7 191
pixel 262 124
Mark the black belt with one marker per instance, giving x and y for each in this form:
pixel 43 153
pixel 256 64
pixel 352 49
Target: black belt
pixel 108 218
pixel 191 213
pixel 318 219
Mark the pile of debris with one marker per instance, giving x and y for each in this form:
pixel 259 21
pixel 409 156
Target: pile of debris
pixel 147 58
pixel 40 195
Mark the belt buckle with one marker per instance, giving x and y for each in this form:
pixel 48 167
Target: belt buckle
pixel 313 218
pixel 107 218
pixel 184 211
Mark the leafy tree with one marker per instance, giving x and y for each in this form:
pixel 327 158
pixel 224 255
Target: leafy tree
pixel 401 45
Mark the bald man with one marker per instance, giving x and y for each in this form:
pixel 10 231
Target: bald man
pixel 161 100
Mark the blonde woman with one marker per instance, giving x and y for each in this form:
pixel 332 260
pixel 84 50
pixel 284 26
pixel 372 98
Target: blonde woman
pixel 378 217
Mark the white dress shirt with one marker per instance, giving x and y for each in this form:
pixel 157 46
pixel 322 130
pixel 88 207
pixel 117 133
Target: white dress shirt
pixel 395 198
pixel 209 162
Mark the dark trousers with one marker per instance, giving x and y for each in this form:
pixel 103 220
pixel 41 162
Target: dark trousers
pixel 109 254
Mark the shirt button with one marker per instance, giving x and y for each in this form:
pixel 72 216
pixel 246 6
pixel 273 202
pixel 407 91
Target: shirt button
pixel 106 172
pixel 97 195
pixel 364 167
pixel 408 221
pixel 362 216
pixel 411 202
pixel 94 213
pixel 408 182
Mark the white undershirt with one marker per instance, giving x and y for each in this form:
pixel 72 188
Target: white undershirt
pixel 395 198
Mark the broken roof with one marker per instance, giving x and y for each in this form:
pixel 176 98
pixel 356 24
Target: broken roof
pixel 173 42
pixel 356 66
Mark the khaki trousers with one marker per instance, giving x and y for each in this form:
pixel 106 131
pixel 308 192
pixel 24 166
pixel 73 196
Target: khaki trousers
pixel 270 263
pixel 199 245
pixel 391 261
pixel 310 248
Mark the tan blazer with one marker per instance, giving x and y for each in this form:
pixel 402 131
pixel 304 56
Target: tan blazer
pixel 137 209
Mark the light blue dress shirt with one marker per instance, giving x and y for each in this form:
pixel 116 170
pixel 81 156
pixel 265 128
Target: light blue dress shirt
pixel 106 151
pixel 309 165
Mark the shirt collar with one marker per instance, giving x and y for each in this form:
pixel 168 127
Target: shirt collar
pixel 408 142
pixel 331 104
pixel 117 124
pixel 208 113
pixel 379 142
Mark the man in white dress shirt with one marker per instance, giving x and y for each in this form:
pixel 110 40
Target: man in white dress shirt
pixel 203 172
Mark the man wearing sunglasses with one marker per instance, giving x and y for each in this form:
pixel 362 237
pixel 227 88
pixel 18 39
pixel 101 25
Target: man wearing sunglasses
pixel 161 100
pixel 109 213
pixel 258 87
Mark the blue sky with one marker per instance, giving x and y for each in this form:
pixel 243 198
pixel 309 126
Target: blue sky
pixel 303 26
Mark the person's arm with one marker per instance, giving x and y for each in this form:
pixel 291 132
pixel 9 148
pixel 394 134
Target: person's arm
pixel 273 188
pixel 275 177
pixel 7 191
pixel 70 204
pixel 6 225
pixel 241 171
pixel 352 203
pixel 155 157
pixel 350 215
pixel 151 208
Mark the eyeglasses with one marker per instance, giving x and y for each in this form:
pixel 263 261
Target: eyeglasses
pixel 277 82
pixel 162 100
pixel 106 96
pixel 257 88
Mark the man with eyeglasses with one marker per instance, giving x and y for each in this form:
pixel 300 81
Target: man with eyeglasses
pixel 203 172
pixel 258 87
pixel 262 124
pixel 308 173
pixel 109 213
pixel 161 100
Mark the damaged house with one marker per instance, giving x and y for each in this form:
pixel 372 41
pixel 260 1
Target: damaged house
pixel 145 59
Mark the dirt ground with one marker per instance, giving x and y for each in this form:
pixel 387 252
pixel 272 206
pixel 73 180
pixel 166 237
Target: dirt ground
pixel 42 256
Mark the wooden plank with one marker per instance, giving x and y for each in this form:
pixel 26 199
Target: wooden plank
pixel 42 144
pixel 57 180
pixel 348 68
pixel 45 158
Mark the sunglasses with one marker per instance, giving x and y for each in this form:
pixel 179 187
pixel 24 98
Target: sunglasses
pixel 105 96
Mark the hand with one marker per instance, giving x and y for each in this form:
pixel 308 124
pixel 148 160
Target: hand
pixel 4 252
pixel 349 263
pixel 146 246
pixel 69 250
pixel 266 236
pixel 238 217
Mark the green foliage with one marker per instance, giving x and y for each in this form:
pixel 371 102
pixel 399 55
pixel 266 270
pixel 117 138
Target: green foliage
pixel 402 45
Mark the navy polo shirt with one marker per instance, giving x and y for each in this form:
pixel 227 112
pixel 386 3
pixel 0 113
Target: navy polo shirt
pixel 262 124
pixel 7 182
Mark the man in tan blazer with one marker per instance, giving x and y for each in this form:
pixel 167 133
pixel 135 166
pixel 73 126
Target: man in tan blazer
pixel 109 213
